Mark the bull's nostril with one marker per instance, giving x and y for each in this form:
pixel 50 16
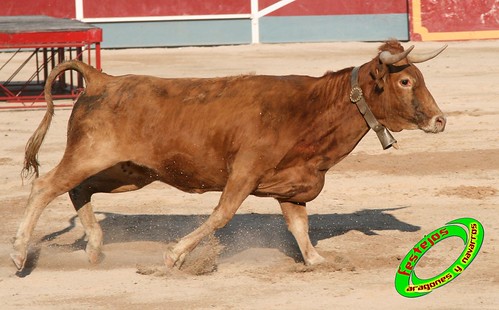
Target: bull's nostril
pixel 440 123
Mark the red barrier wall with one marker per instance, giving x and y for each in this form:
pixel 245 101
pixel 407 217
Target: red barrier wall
pixel 428 19
pixel 54 8
pixel 454 20
pixel 338 7
pixel 108 8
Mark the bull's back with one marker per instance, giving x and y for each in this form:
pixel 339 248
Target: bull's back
pixel 190 130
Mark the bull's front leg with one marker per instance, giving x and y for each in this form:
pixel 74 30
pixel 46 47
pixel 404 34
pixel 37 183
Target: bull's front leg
pixel 297 220
pixel 238 187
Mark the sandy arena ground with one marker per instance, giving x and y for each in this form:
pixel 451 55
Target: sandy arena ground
pixel 375 206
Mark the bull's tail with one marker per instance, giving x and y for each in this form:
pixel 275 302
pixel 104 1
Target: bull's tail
pixel 31 163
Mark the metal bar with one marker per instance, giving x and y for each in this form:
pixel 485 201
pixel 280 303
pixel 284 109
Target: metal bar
pixel 39 68
pixel 52 58
pixel 38 71
pixel 11 57
pixel 97 56
pixel 32 104
pixel 7 91
pixel 71 79
pixel 45 60
pixel 54 38
pixel 89 54
pixel 28 82
pixel 61 84
pixel 79 56
pixel 274 7
pixel 20 68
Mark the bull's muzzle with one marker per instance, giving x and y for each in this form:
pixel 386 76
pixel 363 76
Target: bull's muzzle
pixel 436 124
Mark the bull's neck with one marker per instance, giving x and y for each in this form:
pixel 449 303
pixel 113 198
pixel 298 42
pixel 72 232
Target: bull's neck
pixel 344 125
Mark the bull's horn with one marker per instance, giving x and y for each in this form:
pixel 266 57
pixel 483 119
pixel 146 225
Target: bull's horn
pixel 389 59
pixel 415 58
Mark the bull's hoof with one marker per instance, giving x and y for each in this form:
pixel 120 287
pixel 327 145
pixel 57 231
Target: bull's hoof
pixel 172 260
pixel 19 260
pixel 95 256
pixel 315 260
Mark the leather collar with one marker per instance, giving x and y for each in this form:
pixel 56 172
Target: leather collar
pixel 357 97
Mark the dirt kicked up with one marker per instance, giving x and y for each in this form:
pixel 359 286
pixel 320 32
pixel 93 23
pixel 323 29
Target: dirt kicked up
pixel 375 206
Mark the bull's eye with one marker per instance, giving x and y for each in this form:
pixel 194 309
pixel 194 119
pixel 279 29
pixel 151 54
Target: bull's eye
pixel 405 82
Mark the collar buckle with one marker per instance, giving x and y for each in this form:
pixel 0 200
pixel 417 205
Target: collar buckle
pixel 356 94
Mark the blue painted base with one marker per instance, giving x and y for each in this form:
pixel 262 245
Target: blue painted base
pixel 175 33
pixel 272 30
pixel 334 28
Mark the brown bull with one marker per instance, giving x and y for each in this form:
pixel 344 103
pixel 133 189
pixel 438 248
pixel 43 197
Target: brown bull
pixel 272 136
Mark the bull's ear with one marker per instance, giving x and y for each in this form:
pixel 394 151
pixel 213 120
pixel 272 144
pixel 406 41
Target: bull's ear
pixel 379 72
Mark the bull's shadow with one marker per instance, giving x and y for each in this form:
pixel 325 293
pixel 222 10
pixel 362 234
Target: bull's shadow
pixel 244 231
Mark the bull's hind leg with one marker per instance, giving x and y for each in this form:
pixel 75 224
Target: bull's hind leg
pixel 93 230
pixel 122 177
pixel 69 173
pixel 297 219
